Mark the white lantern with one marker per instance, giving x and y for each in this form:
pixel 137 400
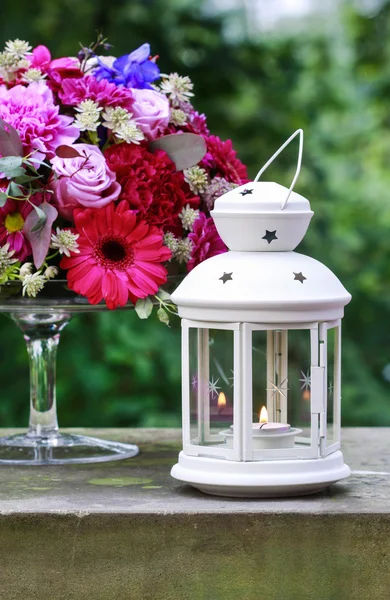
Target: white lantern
pixel 261 345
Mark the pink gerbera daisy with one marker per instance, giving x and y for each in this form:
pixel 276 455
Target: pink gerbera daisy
pixel 120 256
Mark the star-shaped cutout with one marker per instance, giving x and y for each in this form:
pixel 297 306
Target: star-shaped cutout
pixel 270 236
pixel 246 192
pixel 226 277
pixel 299 277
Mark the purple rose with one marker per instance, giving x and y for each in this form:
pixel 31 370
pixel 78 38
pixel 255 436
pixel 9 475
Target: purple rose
pixel 84 181
pixel 150 111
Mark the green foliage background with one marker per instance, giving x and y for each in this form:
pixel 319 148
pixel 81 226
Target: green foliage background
pixel 115 370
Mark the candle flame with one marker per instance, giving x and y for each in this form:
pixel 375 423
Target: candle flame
pixel 221 402
pixel 263 415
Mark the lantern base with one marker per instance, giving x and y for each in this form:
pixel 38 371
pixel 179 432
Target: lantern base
pixel 260 479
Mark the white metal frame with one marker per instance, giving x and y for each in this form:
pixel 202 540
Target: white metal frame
pixel 313 447
pixel 203 407
pixel 335 444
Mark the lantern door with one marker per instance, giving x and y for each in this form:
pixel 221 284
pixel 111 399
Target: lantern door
pixel 212 419
pixel 283 391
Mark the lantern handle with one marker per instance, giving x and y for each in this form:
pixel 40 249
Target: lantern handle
pixel 299 162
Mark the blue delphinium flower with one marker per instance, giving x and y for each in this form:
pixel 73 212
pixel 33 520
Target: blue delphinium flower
pixel 133 70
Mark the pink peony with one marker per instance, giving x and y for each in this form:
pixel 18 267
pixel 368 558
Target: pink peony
pixel 83 181
pixel 120 256
pixel 32 112
pixel 12 217
pixel 74 91
pixel 150 111
pixel 205 241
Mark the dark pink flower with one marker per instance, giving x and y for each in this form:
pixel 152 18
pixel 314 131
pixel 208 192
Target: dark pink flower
pixel 205 241
pixel 120 256
pixel 221 161
pixel 40 58
pixel 12 218
pixel 74 91
pixel 31 110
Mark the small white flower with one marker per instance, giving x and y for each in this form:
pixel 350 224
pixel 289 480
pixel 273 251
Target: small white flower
pixel 51 272
pixel 177 88
pixel 129 132
pixel 171 242
pixel 178 117
pixel 188 216
pixel 33 284
pixel 26 269
pixel 65 241
pixel 184 250
pixel 6 258
pixel 115 117
pixel 197 179
pixel 18 48
pixel 89 115
pixel 33 75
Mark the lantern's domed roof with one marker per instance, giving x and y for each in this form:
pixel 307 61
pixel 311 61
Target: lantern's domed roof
pixel 256 217
pixel 261 287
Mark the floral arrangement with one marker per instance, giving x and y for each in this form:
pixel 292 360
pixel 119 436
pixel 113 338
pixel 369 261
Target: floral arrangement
pixel 108 174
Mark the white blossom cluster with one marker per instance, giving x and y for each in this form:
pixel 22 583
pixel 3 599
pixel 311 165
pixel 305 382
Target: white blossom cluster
pixel 177 88
pixel 13 58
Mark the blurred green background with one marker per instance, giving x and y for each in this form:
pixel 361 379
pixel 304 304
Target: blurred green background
pixel 258 76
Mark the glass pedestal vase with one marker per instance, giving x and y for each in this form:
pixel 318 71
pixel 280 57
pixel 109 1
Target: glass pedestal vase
pixel 41 321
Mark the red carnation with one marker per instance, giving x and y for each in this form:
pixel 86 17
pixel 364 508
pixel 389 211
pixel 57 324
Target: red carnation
pixel 151 185
pixel 221 160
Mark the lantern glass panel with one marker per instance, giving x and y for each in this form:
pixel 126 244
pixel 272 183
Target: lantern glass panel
pixel 259 373
pixel 332 388
pixel 211 382
pixel 298 383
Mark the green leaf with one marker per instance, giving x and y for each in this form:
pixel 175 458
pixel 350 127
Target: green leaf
pixel 25 178
pixel 15 173
pixel 3 198
pixel 144 307
pixel 9 163
pixel 41 220
pixel 163 295
pixel 163 316
pixel 14 190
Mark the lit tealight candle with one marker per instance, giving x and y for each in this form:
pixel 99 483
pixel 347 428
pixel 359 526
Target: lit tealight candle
pixel 268 427
pixel 267 435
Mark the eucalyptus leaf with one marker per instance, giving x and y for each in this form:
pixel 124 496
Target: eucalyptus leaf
pixel 25 178
pixel 37 228
pixel 65 151
pixel 41 219
pixel 163 316
pixel 163 295
pixel 15 172
pixel 3 198
pixel 184 149
pixel 14 190
pixel 144 307
pixel 10 142
pixel 9 163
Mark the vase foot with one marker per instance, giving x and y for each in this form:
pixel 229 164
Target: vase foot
pixel 61 449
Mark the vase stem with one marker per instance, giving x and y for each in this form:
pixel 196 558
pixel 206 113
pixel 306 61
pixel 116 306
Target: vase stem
pixel 42 335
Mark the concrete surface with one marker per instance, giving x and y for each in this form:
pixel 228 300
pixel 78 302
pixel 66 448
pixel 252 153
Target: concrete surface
pixel 125 530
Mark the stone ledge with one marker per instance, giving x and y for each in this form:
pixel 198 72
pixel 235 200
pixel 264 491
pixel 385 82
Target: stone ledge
pixel 126 530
